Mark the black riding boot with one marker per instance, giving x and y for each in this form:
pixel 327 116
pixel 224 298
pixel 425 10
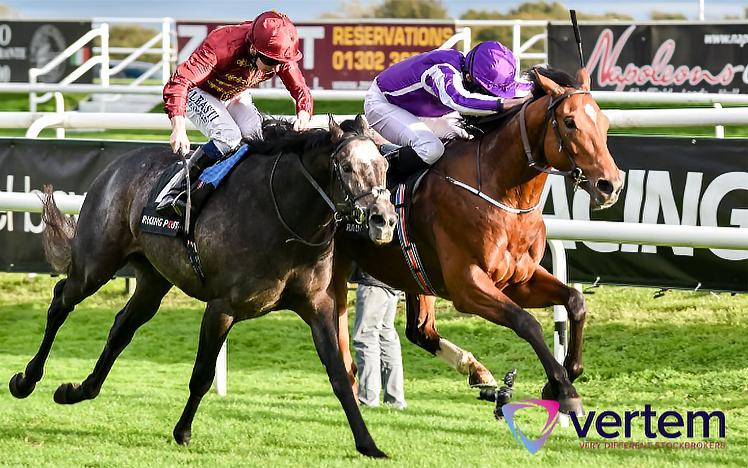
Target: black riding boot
pixel 198 162
pixel 198 195
pixel 403 163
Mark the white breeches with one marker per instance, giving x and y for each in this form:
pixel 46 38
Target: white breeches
pixel 403 128
pixel 224 122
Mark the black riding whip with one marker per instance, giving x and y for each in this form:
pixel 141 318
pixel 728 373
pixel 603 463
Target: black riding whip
pixel 577 36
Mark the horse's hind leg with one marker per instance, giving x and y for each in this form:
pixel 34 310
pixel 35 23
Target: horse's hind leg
pixel 421 330
pixel 215 327
pixel 68 293
pixel 94 262
pixel 322 319
pixel 150 289
pixel 544 290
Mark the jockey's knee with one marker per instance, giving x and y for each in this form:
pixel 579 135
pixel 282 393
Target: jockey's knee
pixel 227 141
pixel 429 151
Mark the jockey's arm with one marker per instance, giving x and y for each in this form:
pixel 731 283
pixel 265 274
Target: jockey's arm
pixel 446 84
pixel 291 76
pixel 196 69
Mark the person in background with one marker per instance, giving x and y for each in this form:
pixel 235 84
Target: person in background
pixel 416 102
pixel 376 342
pixel 211 88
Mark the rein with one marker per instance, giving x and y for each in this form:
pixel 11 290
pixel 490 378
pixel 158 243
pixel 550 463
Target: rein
pixel 344 211
pixel 575 173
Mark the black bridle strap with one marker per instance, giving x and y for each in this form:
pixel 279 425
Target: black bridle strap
pixel 574 173
pixel 296 236
pixel 349 211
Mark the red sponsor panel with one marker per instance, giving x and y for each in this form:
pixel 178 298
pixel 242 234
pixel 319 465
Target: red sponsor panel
pixel 342 55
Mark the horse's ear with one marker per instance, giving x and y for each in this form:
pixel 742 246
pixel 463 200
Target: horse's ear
pixel 335 130
pixel 362 125
pixel 549 86
pixel 583 76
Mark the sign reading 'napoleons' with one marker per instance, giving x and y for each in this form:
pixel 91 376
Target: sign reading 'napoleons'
pixel 683 57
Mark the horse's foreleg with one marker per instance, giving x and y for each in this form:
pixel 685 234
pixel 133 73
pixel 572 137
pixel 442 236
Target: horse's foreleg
pixel 477 294
pixel 142 306
pixel 215 327
pixel 322 322
pixel 544 290
pixel 421 330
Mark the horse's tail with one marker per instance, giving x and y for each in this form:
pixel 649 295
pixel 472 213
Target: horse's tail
pixel 58 234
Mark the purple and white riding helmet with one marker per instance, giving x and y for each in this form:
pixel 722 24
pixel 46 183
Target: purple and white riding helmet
pixel 494 67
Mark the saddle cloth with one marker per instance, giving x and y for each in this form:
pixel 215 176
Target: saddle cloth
pixel 152 222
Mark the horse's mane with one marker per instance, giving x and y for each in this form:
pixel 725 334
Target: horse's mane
pixel 278 136
pixel 477 126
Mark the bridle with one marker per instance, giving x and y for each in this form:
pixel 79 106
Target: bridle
pixel 343 211
pixel 575 173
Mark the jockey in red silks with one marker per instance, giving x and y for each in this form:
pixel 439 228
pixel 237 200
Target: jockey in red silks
pixel 416 102
pixel 212 89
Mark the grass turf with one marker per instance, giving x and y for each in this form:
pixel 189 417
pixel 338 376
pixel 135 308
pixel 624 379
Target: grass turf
pixel 684 351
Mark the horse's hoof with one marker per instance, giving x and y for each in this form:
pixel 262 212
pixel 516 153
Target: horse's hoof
pixel 372 452
pixel 571 405
pixel 18 386
pixel 547 393
pixel 480 377
pixel 68 394
pixel 182 437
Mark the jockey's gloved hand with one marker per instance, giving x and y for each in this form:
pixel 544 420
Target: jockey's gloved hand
pixel 178 140
pixel 302 120
pixel 507 104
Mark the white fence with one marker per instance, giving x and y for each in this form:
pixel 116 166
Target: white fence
pixel 35 122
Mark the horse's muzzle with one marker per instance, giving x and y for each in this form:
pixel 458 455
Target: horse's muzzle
pixel 604 193
pixel 382 219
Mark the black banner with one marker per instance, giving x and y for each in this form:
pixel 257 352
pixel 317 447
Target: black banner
pixel 33 44
pixel 668 180
pixel 710 58
pixel 26 166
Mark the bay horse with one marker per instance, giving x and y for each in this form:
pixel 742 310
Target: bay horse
pixel 243 234
pixel 477 223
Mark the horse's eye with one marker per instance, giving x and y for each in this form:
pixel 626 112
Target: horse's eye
pixel 569 122
pixel 347 167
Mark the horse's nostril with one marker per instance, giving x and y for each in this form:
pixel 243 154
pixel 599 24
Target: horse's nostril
pixel 376 220
pixel 605 186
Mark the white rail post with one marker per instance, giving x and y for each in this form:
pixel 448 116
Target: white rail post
pixel 516 39
pixel 60 109
pixel 104 71
pixel 467 39
pixel 719 130
pixel 165 50
pixel 560 315
pixel 221 372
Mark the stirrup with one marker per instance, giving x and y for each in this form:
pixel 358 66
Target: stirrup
pixel 172 204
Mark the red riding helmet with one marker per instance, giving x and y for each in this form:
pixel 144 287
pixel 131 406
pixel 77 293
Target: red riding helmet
pixel 274 35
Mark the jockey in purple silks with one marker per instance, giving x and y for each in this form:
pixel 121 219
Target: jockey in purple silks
pixel 416 102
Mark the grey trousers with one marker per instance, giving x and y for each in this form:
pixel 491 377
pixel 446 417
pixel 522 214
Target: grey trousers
pixel 377 345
